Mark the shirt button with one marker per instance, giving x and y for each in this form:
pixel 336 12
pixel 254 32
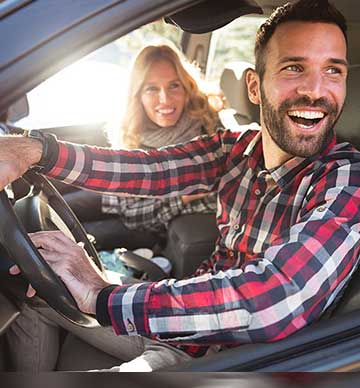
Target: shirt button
pixel 321 208
pixel 130 327
pixel 236 227
pixel 257 192
pixel 262 173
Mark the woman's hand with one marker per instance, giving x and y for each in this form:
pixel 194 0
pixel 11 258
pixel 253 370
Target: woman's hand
pixel 188 198
pixel 72 264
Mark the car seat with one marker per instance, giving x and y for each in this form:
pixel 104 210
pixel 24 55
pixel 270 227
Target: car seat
pixel 348 126
pixel 241 111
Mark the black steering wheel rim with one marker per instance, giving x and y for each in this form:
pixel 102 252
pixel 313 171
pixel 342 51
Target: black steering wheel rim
pixel 14 237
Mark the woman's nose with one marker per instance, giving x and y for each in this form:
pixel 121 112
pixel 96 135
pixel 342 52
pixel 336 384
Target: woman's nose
pixel 163 95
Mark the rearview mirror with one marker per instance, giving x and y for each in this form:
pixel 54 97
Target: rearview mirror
pixel 18 110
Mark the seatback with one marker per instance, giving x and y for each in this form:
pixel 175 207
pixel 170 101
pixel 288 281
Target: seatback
pixel 348 126
pixel 233 85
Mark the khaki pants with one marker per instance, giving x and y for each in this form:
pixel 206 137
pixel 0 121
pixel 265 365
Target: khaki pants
pixel 33 341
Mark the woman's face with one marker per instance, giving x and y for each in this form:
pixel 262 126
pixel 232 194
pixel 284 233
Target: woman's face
pixel 163 95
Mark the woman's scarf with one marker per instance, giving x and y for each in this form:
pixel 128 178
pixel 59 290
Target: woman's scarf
pixel 184 130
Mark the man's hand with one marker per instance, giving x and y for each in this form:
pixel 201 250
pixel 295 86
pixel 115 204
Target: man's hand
pixel 73 265
pixel 17 155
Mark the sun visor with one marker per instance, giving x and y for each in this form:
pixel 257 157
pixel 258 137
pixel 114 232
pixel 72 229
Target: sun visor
pixel 212 14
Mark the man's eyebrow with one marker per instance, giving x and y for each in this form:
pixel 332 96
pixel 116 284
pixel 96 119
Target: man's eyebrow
pixel 291 59
pixel 337 61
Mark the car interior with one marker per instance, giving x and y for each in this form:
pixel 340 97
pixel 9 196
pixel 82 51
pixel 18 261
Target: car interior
pixel 190 239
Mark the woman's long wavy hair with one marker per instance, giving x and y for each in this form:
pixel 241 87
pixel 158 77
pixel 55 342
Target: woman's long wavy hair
pixel 135 118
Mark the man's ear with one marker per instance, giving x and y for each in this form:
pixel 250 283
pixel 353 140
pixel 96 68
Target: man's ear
pixel 253 86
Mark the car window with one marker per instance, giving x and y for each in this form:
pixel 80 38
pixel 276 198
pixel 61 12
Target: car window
pixel 93 89
pixel 233 42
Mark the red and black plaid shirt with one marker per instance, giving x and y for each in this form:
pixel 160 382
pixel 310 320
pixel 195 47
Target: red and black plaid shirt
pixel 288 237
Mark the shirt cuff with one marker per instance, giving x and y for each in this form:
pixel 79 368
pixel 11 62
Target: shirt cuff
pixel 102 313
pixel 50 153
pixel 127 307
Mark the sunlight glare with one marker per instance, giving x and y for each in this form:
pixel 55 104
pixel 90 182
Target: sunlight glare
pixel 85 92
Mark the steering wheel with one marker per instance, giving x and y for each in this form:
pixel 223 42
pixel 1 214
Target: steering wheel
pixel 44 209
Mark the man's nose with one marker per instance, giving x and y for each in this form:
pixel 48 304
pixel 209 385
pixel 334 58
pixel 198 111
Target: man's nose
pixel 312 85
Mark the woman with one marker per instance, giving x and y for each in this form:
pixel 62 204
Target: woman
pixel 164 106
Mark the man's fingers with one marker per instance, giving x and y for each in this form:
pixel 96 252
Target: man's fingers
pixel 52 241
pixel 14 270
pixel 58 234
pixel 47 243
pixel 10 172
pixel 30 291
pixel 51 257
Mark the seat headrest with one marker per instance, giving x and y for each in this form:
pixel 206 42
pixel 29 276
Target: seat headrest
pixel 348 126
pixel 233 84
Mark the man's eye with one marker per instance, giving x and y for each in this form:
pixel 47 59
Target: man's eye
pixel 293 68
pixel 333 70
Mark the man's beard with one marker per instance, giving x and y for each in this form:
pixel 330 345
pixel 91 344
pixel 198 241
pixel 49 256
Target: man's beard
pixel 290 142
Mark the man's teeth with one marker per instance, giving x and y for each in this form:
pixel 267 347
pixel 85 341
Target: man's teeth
pixel 306 114
pixel 305 126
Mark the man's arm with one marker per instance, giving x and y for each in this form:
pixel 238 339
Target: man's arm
pixel 17 155
pixel 190 168
pixel 269 297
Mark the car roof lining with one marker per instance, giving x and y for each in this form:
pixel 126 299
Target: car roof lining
pixel 212 14
pixel 8 7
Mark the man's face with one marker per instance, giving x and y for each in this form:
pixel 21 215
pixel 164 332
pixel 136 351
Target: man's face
pixel 303 88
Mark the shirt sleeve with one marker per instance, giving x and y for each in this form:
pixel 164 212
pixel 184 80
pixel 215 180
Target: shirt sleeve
pixel 152 214
pixel 273 294
pixel 206 204
pixel 193 167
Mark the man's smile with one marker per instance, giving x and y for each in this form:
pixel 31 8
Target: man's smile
pixel 306 118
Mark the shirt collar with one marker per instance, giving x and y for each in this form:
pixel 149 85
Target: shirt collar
pixel 284 173
pixel 254 152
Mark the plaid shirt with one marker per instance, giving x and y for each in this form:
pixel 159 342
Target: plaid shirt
pixel 288 237
pixel 154 214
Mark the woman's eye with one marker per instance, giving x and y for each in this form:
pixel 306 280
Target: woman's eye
pixel 174 85
pixel 150 89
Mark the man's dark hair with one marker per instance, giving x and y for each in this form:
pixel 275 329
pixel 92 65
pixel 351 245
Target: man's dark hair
pixel 305 11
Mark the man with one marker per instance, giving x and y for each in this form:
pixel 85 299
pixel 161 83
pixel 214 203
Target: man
pixel 288 232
